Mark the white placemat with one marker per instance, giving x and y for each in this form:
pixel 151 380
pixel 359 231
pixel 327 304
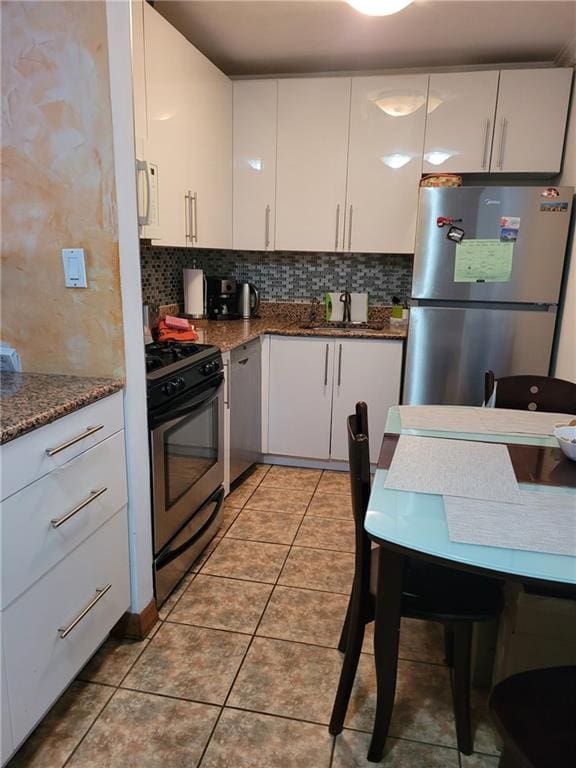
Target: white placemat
pixel 510 422
pixel 453 468
pixel 440 418
pixel 543 522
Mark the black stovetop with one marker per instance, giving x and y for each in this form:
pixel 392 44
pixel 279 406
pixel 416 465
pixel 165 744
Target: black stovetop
pixel 163 353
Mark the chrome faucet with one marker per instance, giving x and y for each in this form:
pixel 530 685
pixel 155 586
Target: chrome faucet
pixel 346 299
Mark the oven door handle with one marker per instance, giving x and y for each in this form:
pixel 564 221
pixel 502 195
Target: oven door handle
pixel 168 414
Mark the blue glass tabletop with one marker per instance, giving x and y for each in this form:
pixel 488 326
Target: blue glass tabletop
pixel 417 521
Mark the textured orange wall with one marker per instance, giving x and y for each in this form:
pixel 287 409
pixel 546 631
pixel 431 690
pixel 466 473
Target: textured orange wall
pixel 58 189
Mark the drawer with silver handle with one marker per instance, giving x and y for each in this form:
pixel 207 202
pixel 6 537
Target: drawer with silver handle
pixel 37 453
pixel 45 521
pixel 51 631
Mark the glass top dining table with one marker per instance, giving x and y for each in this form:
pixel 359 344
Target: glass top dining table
pixel 415 523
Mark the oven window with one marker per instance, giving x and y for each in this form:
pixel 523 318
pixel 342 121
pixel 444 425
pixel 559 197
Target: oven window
pixel 190 450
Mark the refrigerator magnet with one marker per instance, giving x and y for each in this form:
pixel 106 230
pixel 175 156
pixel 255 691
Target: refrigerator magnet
pixel 509 229
pixel 554 207
pixel 455 234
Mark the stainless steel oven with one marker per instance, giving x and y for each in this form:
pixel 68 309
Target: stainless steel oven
pixel 186 421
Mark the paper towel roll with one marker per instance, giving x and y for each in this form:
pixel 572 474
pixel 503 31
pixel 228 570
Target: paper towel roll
pixel 194 292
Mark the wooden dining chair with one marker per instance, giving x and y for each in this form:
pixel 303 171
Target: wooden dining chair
pixel 430 592
pixel 535 715
pixel 531 393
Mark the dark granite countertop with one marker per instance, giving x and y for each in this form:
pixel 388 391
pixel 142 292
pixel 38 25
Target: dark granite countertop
pixel 31 400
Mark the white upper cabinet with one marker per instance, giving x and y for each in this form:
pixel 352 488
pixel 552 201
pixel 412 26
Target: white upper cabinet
pixel 531 120
pixel 254 185
pixel 460 124
pixel 209 102
pixel 387 123
pixel 313 118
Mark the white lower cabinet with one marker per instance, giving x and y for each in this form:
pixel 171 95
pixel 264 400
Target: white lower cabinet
pixel 368 370
pixel 90 587
pixel 314 384
pixel 6 737
pixel 300 396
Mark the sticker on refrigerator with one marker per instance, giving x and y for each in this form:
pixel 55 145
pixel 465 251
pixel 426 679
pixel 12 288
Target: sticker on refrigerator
pixel 557 206
pixel 509 228
pixel 483 261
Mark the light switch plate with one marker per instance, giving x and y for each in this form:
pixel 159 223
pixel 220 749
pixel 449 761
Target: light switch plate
pixel 74 268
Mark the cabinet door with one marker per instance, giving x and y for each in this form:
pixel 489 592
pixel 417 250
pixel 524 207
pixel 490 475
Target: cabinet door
pixel 368 370
pixel 254 121
pixel 208 95
pixel 313 117
pixel 300 397
pixel 460 124
pixel 387 121
pixel 531 120
pixel 167 85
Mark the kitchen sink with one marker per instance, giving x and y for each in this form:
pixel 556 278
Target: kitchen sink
pixel 339 325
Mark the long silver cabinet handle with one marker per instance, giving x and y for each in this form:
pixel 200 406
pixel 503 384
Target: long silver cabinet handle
pixel 65 631
pixel 195 217
pixel 62 447
pixel 350 228
pixel 339 364
pixel 337 227
pixel 58 521
pixel 227 397
pixel 326 366
pixel 267 226
pixel 142 165
pixel 503 128
pixel 485 144
pixel 187 217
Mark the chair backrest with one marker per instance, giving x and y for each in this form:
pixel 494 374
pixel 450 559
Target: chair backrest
pixel 531 393
pixel 359 458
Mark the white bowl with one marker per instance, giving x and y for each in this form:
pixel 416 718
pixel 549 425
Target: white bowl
pixel 566 437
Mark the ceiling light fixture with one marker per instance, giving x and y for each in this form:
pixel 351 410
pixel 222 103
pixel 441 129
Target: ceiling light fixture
pixel 378 7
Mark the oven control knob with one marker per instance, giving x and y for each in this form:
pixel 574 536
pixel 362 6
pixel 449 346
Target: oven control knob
pixel 180 383
pixel 169 388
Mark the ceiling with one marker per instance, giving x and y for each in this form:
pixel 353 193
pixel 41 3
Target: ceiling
pixel 244 37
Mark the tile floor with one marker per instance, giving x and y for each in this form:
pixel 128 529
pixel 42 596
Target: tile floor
pixel 242 669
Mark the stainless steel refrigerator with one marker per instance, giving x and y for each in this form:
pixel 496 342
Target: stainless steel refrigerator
pixel 487 272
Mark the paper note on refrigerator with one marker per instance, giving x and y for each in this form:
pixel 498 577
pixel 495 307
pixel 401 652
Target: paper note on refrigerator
pixel 483 261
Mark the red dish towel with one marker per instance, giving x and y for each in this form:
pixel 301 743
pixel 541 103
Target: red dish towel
pixel 170 334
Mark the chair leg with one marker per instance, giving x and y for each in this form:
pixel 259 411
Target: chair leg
pixel 449 645
pixel 345 629
pixel 461 685
pixel 355 619
pixel 386 638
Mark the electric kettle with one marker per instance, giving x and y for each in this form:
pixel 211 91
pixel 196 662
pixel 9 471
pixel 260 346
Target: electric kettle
pixel 248 300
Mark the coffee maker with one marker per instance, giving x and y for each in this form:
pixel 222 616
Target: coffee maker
pixel 222 301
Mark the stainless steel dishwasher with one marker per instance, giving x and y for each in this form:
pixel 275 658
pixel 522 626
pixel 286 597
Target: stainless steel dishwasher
pixel 245 408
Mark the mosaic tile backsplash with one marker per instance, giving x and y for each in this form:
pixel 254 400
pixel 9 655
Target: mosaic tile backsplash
pixel 279 275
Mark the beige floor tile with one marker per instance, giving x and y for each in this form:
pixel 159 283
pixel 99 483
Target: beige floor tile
pixel 422 707
pixel 238 497
pixel 254 525
pixel 292 477
pixel 189 662
pixel 479 761
pixel 305 616
pixel 206 553
pixel 249 560
pixel 230 514
pixel 249 740
pixel 221 603
pixel 334 482
pixel 419 641
pixel 486 738
pixel 288 679
pixel 256 475
pixel 322 533
pixel 352 747
pixel 111 662
pixel 330 505
pixel 288 500
pixel 318 569
pixel 59 733
pixel 172 599
pixel 137 730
